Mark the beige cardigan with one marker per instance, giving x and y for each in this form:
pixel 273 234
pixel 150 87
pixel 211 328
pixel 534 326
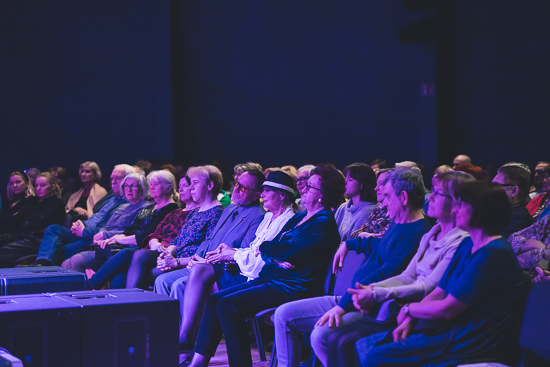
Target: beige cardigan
pixel 96 193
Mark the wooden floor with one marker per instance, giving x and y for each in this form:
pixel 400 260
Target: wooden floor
pixel 220 359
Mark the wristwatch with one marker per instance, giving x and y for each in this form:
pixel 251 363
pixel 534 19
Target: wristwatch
pixel 177 261
pixel 406 309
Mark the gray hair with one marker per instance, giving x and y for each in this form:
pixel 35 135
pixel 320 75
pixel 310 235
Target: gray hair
pixel 141 181
pixel 166 177
pixel 411 182
pixel 124 167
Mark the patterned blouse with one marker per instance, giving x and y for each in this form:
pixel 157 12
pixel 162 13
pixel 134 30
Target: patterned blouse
pixel 169 228
pixel 539 231
pixel 195 229
pixel 377 222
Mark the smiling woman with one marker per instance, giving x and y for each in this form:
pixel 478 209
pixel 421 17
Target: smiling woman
pixel 20 199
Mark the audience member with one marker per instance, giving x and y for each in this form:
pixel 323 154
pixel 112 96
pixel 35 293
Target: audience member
pixel 472 313
pixel 20 200
pixel 515 182
pixel 56 237
pixel 380 302
pixel 302 176
pixel 542 171
pixel 81 203
pixel 295 267
pixel 538 204
pixel 386 256
pixel 218 274
pixel 461 159
pixel 136 190
pixel 24 239
pixel 378 220
pixel 360 182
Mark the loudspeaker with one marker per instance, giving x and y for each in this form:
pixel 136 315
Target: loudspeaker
pixel 127 327
pixel 8 360
pixel 42 279
pixel 41 330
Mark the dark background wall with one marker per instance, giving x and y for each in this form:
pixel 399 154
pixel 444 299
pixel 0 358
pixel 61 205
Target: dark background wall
pixel 84 80
pixel 277 82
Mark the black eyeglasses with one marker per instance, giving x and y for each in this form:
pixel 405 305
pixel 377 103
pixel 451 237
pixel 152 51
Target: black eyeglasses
pixel 302 180
pixel 131 187
pixel 240 187
pixel 309 187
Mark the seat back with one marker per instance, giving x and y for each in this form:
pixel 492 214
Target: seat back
pixel 342 281
pixel 536 322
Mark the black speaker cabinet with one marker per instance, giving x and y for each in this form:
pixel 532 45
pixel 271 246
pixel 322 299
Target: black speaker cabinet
pixel 127 328
pixel 41 279
pixel 41 330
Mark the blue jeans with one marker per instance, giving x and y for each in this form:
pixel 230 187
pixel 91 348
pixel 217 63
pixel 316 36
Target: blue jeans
pixel 55 238
pixel 115 265
pixel 226 313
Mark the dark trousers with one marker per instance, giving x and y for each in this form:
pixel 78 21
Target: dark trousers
pixel 226 313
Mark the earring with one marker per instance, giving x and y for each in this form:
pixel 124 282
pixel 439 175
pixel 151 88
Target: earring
pixel 319 200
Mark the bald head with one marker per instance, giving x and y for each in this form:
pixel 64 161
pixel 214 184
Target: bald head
pixel 460 159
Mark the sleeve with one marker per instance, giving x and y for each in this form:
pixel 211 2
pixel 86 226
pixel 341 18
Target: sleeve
pixel 297 243
pixel 415 288
pixel 52 213
pixel 363 245
pixel 98 217
pixel 538 231
pixel 145 230
pixel 404 248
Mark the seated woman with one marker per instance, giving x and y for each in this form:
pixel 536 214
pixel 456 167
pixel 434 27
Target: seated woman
pixel 333 344
pixel 25 237
pixel 136 190
pixel 296 264
pixel 20 200
pixel 378 220
pixel 472 312
pixel 360 183
pixel 204 279
pixel 81 203
pixel 141 264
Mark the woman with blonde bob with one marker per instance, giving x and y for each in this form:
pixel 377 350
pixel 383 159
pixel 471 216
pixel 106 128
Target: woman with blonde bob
pixel 81 203
pixel 20 199
pixel 25 238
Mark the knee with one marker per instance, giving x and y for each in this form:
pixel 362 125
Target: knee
pixel 283 314
pixel 319 336
pixel 138 257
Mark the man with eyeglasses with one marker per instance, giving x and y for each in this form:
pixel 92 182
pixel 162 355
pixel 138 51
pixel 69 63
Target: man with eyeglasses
pixel 236 228
pixel 56 236
pixel 515 181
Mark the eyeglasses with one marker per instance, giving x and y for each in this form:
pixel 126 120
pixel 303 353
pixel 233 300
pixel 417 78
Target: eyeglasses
pixel 131 187
pixel 241 188
pixel 302 180
pixel 309 187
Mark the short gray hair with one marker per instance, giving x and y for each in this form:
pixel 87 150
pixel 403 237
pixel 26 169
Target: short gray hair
pixel 166 177
pixel 141 181
pixel 124 167
pixel 411 182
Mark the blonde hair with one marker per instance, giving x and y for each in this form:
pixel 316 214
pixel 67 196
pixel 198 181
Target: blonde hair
pixel 29 190
pixel 52 181
pixel 94 167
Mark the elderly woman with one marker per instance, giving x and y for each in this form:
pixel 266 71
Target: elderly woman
pixel 380 301
pixel 360 183
pixel 20 199
pixel 296 263
pixel 472 312
pixel 378 220
pixel 162 185
pixel 204 279
pixel 140 263
pixel 25 237
pixel 81 203
pixel 136 190
pixel 302 176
